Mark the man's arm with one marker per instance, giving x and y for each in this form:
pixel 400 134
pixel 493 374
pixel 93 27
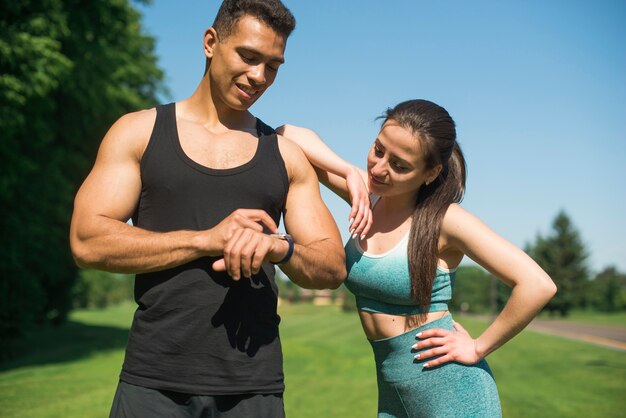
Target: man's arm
pixel 341 177
pixel 318 260
pixel 99 235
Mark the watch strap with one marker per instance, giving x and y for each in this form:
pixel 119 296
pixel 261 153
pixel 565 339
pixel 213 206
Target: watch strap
pixel 289 240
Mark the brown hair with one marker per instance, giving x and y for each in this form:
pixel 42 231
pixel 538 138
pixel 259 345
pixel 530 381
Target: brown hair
pixel 435 130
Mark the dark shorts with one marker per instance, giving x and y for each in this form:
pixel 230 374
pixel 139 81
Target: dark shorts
pixel 137 402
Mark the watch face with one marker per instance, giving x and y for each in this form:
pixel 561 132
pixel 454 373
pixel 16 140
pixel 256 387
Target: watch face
pixel 286 237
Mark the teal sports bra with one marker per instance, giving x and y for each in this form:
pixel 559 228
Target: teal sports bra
pixel 381 282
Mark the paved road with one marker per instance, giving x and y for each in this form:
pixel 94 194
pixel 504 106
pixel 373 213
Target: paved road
pixel 604 335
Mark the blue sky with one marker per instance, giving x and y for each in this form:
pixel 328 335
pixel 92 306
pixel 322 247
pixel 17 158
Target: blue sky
pixel 537 89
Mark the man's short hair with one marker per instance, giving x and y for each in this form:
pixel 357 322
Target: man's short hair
pixel 271 12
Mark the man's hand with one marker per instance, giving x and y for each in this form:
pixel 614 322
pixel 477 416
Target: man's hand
pixel 247 250
pixel 244 245
pixel 220 234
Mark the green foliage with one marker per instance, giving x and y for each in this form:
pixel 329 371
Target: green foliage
pixel 67 71
pixel 349 300
pixel 607 292
pixel 563 256
pixel 474 291
pixel 99 289
pixel 287 290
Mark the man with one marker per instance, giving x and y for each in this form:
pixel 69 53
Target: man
pixel 205 183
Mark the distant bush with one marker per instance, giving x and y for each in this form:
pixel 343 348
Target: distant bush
pixel 349 301
pixel 287 290
pixel 607 291
pixel 474 291
pixel 99 289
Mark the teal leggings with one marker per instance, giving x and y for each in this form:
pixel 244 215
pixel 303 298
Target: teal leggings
pixel 407 390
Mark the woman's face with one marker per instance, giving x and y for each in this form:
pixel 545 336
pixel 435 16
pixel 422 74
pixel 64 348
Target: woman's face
pixel 395 163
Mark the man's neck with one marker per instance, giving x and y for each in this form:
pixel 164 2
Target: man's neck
pixel 204 109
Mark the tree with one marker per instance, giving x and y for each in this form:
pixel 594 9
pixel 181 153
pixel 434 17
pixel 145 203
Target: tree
pixel 287 290
pixel 563 256
pixel 607 292
pixel 473 290
pixel 67 71
pixel 99 289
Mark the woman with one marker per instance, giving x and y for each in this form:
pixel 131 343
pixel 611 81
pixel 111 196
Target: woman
pixel 402 259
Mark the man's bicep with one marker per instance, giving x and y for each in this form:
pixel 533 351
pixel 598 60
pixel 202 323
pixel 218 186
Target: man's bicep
pixel 319 261
pixel 307 218
pixel 111 190
pixel 113 186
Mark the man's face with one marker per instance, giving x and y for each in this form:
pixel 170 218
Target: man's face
pixel 244 64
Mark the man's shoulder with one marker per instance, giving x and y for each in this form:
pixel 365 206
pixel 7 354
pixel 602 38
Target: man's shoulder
pixel 132 131
pixel 290 150
pixel 137 124
pixel 298 166
pixel 138 120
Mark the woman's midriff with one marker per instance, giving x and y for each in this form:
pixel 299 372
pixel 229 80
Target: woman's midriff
pixel 379 325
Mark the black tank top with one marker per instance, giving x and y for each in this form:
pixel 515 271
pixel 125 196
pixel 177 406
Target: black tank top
pixel 196 330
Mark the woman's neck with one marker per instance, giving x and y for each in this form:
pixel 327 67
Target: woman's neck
pixel 394 211
pixel 400 205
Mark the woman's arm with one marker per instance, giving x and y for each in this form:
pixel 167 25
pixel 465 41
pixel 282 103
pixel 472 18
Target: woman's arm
pixel 343 178
pixel 532 289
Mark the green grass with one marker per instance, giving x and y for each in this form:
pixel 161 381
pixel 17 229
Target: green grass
pixel 329 366
pixel 544 376
pixel 72 371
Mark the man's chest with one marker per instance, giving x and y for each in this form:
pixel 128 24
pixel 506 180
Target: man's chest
pixel 217 151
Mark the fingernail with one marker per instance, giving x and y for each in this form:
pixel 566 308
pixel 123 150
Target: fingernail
pixel 353 236
pixel 417 357
pixel 418 335
pixel 425 364
pixel 414 347
pixel 362 237
pixel 351 220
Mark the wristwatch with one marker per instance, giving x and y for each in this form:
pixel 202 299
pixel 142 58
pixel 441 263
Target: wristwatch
pixel 289 240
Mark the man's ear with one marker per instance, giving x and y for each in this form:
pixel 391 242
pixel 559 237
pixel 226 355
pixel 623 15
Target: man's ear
pixel 210 40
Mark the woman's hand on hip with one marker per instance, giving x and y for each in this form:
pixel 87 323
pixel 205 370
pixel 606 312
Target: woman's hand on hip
pixel 457 346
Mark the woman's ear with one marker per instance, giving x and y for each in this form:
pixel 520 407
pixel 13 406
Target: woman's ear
pixel 432 174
